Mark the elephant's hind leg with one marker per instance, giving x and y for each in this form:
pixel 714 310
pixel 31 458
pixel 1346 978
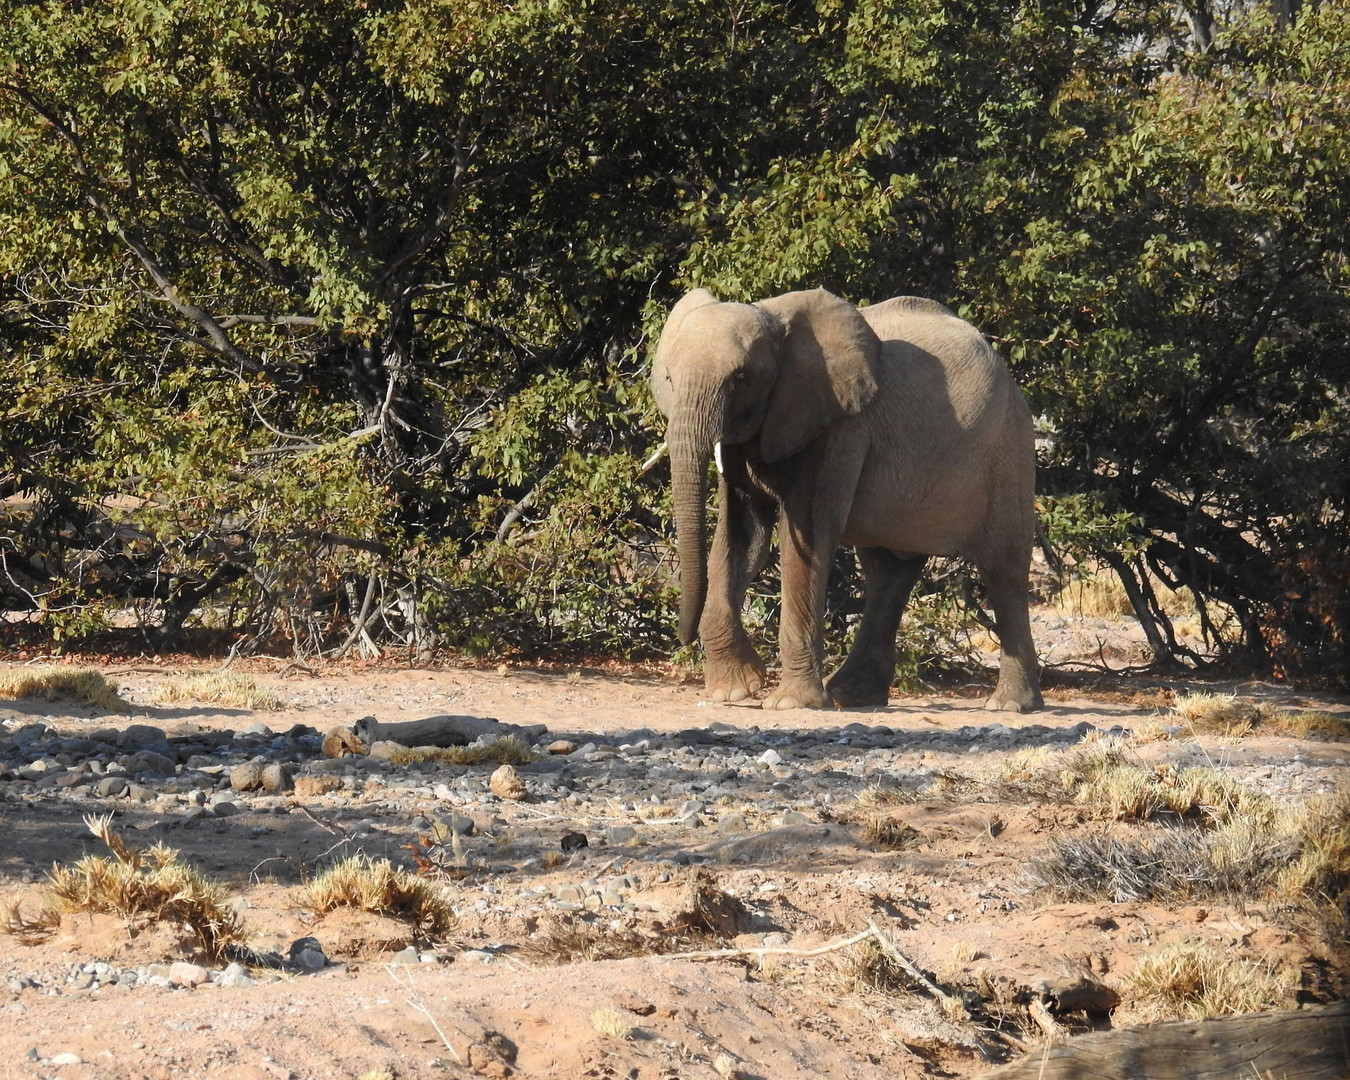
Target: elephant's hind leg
pixel 865 677
pixel 1018 688
pixel 732 669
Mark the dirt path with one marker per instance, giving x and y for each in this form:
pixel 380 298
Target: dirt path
pixel 667 791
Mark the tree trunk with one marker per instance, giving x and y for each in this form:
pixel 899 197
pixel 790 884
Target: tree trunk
pixel 1306 1044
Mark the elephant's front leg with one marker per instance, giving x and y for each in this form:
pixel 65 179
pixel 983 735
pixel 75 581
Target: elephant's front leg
pixel 733 670
pixel 807 544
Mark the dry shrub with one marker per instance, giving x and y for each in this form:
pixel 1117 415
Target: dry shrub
pixel 1174 865
pixel 565 940
pixel 228 688
pixel 867 968
pixel 1300 855
pixel 508 750
pixel 51 681
pixel 152 885
pixel 1193 980
pixel 377 886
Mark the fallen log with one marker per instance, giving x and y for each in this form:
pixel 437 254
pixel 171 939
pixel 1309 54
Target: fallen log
pixel 1303 1044
pixel 433 731
pixel 441 730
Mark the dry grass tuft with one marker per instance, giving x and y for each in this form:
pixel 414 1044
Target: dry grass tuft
pixel 611 1023
pixel 966 952
pixel 29 929
pixel 1193 980
pixel 874 797
pixel 1222 714
pixel 891 834
pixel 1102 778
pixel 152 885
pixel 377 886
pixel 1320 870
pixel 1231 717
pixel 508 750
pixel 228 688
pixel 1102 596
pixel 1311 723
pixel 51 681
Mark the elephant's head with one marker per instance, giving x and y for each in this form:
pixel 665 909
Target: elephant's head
pixel 779 372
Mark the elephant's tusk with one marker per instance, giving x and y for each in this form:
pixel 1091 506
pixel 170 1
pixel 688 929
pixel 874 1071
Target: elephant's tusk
pixel 650 463
pixel 717 455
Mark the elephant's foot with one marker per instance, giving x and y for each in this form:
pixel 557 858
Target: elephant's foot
pixel 856 686
pixel 733 680
pixel 1014 699
pixel 798 694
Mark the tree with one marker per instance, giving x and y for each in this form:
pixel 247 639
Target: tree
pixel 329 325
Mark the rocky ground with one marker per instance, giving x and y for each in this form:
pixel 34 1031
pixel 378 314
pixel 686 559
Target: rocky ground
pixel 642 796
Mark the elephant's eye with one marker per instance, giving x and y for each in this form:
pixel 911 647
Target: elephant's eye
pixel 740 378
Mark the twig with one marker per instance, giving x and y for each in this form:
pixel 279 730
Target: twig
pixel 888 947
pixel 873 931
pixel 771 950
pixel 1047 1023
pixel 335 830
pixel 415 1001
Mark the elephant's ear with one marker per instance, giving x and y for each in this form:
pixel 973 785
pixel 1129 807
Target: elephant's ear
pixel 668 346
pixel 828 369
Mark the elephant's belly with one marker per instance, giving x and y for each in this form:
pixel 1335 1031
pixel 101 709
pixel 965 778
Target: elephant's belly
pixel 912 530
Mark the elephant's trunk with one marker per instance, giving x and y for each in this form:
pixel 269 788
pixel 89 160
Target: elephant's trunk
pixel 689 456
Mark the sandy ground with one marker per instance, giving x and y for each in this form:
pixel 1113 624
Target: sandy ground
pixel 480 1002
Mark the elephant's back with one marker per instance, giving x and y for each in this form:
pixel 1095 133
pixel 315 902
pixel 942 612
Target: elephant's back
pixel 930 355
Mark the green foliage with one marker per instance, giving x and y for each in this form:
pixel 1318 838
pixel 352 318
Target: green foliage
pixel 326 325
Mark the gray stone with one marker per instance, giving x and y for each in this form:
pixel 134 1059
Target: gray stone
pixel 30 733
pixel 307 953
pixel 141 793
pixel 621 834
pixel 234 975
pixel 248 776
pixel 137 736
pixel 150 761
pixel 182 973
pixel 729 823
pixel 275 778
pixel 111 786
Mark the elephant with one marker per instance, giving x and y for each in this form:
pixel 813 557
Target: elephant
pixel 892 427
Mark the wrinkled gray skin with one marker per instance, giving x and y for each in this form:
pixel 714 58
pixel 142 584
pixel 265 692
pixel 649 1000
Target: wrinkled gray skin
pixel 893 428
